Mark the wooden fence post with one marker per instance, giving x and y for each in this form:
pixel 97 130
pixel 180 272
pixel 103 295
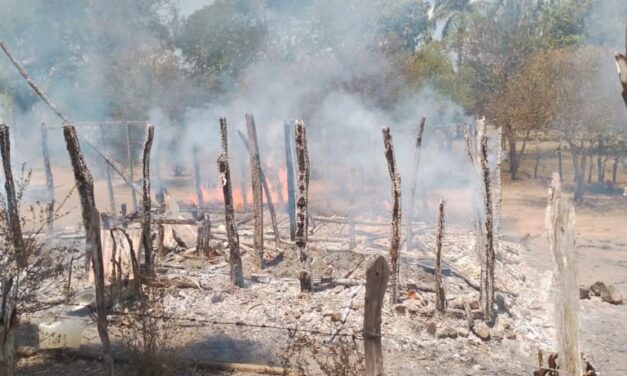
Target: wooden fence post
pixel 560 230
pixel 291 196
pixel 396 210
pixel 409 245
pixel 255 177
pixel 49 178
pixel 13 212
pixel 302 202
pixel 376 283
pixel 91 222
pixel 440 297
pixel 487 274
pixel 146 233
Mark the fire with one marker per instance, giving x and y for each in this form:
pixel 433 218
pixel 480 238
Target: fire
pixel 213 196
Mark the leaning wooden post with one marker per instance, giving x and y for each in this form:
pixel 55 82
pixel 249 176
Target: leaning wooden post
pixel 440 297
pixel 395 239
pixel 91 222
pixel 560 230
pixel 131 171
pixel 13 212
pixel 291 196
pixel 409 245
pixel 236 273
pixel 376 283
pixel 197 180
pixel 302 202
pixel 146 234
pixel 268 195
pixel 488 259
pixel 255 178
pixel 49 178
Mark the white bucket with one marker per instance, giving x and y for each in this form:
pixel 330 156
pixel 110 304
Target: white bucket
pixel 63 333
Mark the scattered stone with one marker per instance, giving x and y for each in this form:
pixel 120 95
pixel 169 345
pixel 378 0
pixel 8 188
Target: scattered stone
pixel 597 288
pixel 482 330
pixel 431 328
pixel 584 292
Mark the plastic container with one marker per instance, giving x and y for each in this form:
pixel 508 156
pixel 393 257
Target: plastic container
pixel 63 333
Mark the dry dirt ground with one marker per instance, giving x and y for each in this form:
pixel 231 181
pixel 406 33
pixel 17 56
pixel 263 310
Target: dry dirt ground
pixel 602 247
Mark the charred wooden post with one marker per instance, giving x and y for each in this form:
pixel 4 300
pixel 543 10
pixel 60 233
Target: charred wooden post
pixel 91 222
pixel 395 238
pixel 49 178
pixel 302 203
pixel 224 141
pixel 197 179
pixel 409 245
pixel 440 297
pixel 131 170
pixel 376 283
pixel 13 212
pixel 204 235
pixel 488 259
pixel 8 327
pixel 235 259
pixel 255 178
pixel 560 230
pixel 146 232
pixel 110 192
pixel 289 164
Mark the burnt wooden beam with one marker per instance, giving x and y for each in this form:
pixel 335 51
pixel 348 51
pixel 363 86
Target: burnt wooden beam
pixel 255 180
pixel 13 212
pixel 440 296
pixel 91 222
pixel 268 195
pixel 146 217
pixel 236 273
pixel 376 283
pixel 395 239
pixel 289 164
pixel 302 203
pixel 409 245
pixel 45 151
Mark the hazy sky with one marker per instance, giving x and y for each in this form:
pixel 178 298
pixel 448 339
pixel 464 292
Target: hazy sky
pixel 190 6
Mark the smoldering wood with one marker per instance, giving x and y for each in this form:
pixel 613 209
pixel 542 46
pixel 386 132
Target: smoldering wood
pixel 255 179
pixel 197 179
pixel 289 168
pixel 110 191
pixel 91 222
pixel 8 326
pixel 204 235
pixel 146 217
pixel 440 300
pixel 235 259
pixel 395 238
pixel 49 177
pixel 409 245
pixel 302 203
pixel 13 213
pixel 376 283
pixel 268 196
pixel 560 230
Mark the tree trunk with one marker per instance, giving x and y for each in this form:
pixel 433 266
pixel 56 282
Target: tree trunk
pixel 13 211
pixel 302 217
pixel 255 178
pixel 396 210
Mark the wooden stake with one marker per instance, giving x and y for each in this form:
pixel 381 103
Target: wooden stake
pixel 197 179
pixel 440 297
pixel 13 212
pixel 409 245
pixel 302 218
pixel 146 233
pixel 268 195
pixel 560 230
pixel 487 269
pixel 255 178
pixel 235 259
pixel 376 283
pixel 396 209
pixel 91 222
pixel 49 178
pixel 291 196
